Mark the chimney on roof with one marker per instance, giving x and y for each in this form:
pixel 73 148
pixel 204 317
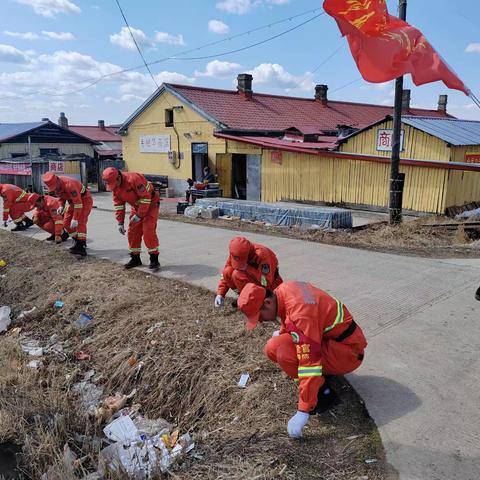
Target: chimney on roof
pixel 406 97
pixel 442 103
pixel 244 86
pixel 101 124
pixel 45 119
pixel 321 94
pixel 63 120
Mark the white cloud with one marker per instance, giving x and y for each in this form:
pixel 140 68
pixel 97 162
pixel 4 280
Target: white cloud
pixel 50 8
pixel 124 39
pixel 10 54
pixel 219 69
pixel 141 84
pixel 383 86
pixel 216 26
pixel 275 76
pixel 58 35
pixel 22 35
pixel 59 104
pixel 164 37
pixel 241 7
pixel 473 48
pixel 124 98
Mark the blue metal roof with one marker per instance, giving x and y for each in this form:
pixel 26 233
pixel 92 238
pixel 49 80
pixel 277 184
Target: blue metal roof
pixel 453 131
pixel 11 130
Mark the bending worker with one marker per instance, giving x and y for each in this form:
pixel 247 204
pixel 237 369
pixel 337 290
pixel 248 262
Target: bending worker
pixel 80 203
pixel 247 263
pixel 48 218
pixel 16 202
pixel 136 190
pixel 317 337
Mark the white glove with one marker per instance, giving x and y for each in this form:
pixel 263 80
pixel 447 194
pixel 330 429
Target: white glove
pixel 296 424
pixel 60 210
pixel 121 229
pixel 135 219
pixel 74 224
pixel 219 301
pixel 276 333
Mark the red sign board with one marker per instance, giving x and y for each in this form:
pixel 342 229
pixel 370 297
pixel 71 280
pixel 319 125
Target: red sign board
pixel 277 157
pixel 472 158
pixel 15 168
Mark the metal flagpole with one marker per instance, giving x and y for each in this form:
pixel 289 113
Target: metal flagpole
pixel 397 179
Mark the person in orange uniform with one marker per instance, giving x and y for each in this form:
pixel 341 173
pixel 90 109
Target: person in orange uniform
pixel 247 263
pixel 317 337
pixel 134 189
pixel 47 217
pixel 80 203
pixel 16 202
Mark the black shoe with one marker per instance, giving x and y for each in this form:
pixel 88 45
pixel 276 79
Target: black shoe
pixel 135 261
pixel 477 295
pixel 51 238
pixel 327 399
pixel 154 263
pixel 80 248
pixel 27 222
pixel 65 236
pixel 20 227
pixel 74 246
pixel 234 304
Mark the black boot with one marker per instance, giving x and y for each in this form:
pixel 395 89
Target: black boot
pixel 135 261
pixel 65 236
pixel 19 227
pixel 51 238
pixel 154 263
pixel 327 399
pixel 27 222
pixel 74 247
pixel 80 248
pixel 477 295
pixel 234 304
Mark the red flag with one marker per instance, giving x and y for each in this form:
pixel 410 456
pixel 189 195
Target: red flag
pixel 385 47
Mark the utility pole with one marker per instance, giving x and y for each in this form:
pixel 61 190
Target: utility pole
pixel 397 179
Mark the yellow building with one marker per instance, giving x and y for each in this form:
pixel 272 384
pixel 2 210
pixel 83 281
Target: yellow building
pixel 273 148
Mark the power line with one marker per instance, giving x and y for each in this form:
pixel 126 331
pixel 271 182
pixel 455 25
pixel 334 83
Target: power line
pixel 347 85
pixel 135 42
pixel 185 52
pixel 316 69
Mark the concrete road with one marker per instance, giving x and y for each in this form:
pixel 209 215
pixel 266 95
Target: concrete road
pixel 420 379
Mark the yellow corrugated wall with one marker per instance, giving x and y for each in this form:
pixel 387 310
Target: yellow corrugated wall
pixel 418 145
pixel 72 167
pixel 313 178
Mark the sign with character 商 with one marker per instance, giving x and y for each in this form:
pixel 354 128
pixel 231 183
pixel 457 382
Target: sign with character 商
pixel 385 140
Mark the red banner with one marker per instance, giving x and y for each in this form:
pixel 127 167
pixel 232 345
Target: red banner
pixel 472 158
pixel 385 47
pixel 15 168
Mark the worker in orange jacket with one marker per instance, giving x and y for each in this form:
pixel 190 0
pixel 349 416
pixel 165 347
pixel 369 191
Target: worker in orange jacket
pixel 247 263
pixel 134 189
pixel 317 337
pixel 16 202
pixel 80 203
pixel 46 215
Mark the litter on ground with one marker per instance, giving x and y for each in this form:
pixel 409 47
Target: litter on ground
pixel 5 319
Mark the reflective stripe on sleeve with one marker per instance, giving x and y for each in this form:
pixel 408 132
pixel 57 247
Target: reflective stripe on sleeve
pixel 119 207
pixel 310 371
pixel 21 196
pixel 338 319
pixel 78 205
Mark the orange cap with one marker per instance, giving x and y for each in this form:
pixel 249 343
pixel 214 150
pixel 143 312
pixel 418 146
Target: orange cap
pixel 110 176
pixel 250 302
pixel 239 249
pixel 50 180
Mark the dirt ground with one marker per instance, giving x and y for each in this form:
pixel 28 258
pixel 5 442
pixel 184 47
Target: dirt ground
pixel 192 362
pixel 419 237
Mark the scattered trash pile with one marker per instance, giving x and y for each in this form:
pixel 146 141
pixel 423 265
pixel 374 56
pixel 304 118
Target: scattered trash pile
pixel 135 446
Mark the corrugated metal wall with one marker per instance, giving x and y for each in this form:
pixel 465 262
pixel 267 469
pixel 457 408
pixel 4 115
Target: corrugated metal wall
pixel 313 178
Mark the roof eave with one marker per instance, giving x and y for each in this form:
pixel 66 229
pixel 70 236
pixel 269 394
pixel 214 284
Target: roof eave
pixel 165 87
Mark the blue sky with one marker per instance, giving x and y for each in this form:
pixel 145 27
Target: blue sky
pixel 51 48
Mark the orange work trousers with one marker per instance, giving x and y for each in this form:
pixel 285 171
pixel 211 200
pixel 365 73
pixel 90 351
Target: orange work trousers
pixel 237 279
pixel 80 233
pixel 146 228
pixel 45 223
pixel 338 358
pixel 18 210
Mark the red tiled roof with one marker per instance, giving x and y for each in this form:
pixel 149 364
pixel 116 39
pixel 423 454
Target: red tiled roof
pixel 273 112
pixel 96 133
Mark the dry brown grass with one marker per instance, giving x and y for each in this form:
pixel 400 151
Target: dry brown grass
pixel 192 364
